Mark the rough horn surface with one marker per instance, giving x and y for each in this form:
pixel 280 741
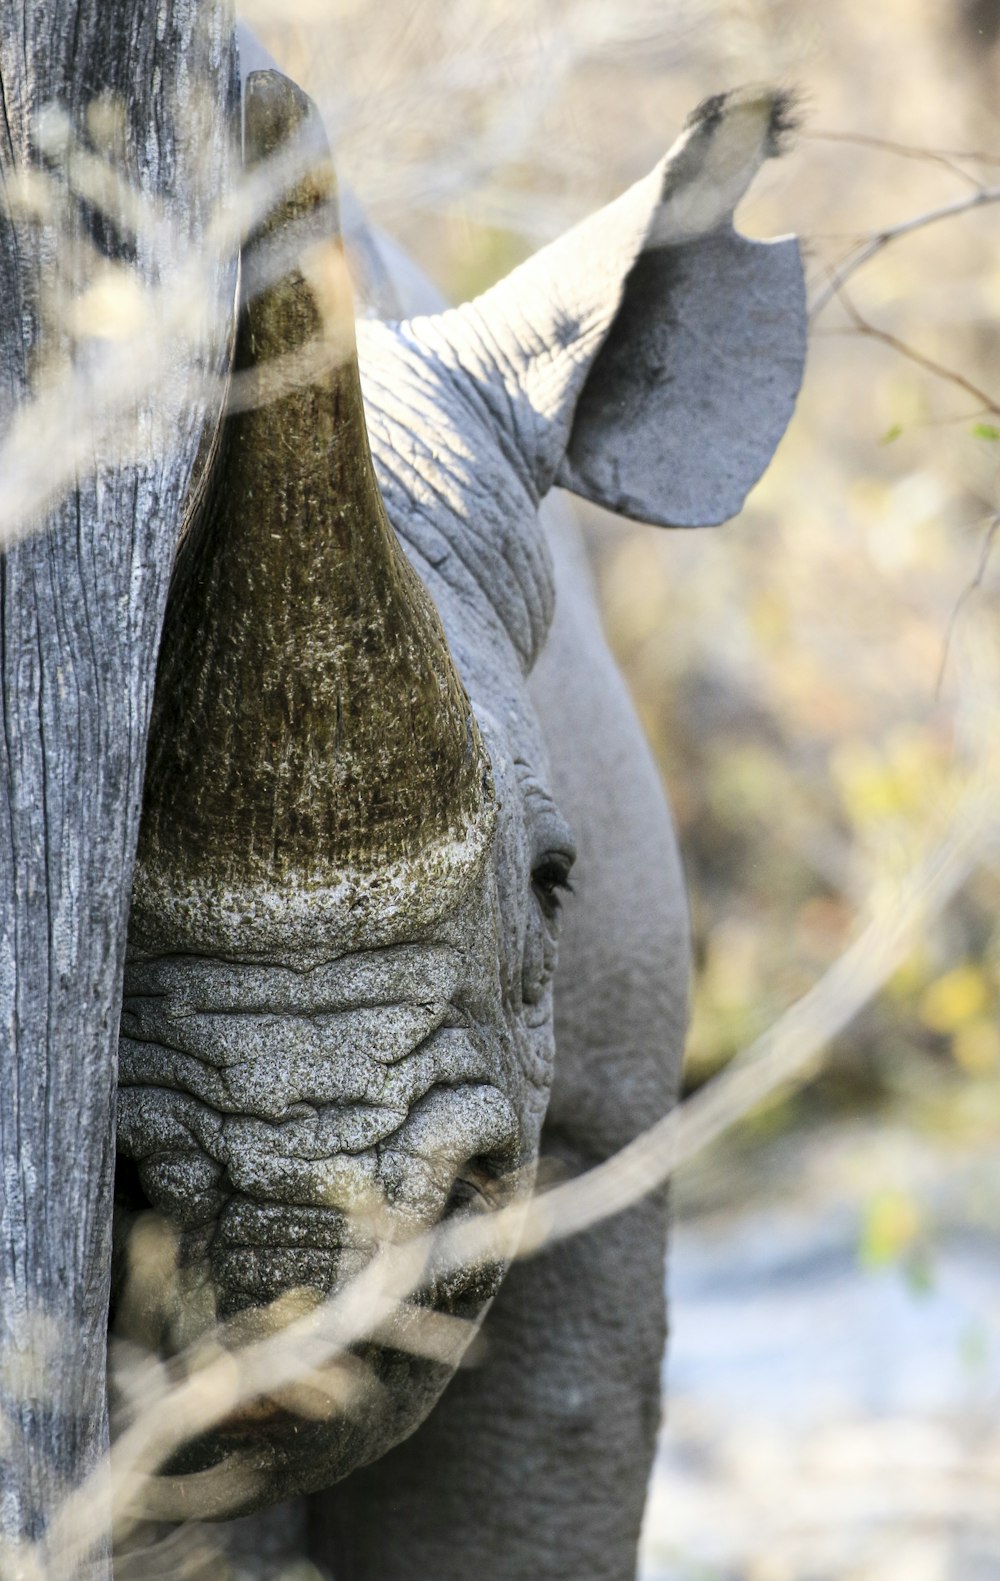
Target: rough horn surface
pixel 309 722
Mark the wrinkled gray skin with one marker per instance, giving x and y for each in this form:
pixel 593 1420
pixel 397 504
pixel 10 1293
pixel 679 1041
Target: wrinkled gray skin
pixel 534 1464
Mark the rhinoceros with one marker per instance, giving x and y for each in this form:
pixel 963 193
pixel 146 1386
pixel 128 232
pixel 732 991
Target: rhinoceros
pixel 394 777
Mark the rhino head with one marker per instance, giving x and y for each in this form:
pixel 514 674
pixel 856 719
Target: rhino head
pixel 337 1022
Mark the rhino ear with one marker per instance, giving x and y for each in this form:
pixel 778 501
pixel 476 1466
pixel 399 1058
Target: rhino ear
pixel 651 357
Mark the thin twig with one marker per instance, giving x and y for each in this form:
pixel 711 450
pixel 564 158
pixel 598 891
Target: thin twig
pixel 907 150
pixel 976 200
pixel 986 549
pixel 936 156
pixel 862 326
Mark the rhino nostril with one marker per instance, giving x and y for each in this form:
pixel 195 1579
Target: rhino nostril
pixel 464 1197
pixel 475 1189
pixel 130 1196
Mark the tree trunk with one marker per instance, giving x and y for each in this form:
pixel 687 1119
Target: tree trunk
pixel 109 398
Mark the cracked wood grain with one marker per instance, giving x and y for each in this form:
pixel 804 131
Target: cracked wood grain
pixel 81 607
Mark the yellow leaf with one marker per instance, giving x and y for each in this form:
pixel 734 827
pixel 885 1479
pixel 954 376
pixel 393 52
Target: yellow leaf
pixel 954 999
pixel 891 1226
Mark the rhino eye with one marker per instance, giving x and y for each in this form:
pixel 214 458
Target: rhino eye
pixel 549 875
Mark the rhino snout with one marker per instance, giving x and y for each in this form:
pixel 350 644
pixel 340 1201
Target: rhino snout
pixel 285 1143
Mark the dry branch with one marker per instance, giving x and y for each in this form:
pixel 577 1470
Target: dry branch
pixel 892 233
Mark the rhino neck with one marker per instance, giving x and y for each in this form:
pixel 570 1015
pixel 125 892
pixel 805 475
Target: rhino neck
pixel 457 494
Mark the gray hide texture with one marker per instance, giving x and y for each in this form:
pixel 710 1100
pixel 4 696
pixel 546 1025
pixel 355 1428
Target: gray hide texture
pixel 536 1460
pixel 81 604
pixel 643 454
pixel 534 1463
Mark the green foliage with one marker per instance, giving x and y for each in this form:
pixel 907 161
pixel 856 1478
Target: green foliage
pixel 893 1233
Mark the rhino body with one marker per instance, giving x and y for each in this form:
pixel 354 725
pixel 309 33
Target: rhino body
pixel 342 997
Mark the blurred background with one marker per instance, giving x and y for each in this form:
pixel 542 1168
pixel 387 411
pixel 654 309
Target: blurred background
pixel 817 680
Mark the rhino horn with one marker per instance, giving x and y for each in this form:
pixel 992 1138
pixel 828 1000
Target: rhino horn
pixel 308 720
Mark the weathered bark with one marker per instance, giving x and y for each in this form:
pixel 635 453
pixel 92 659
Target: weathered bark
pixel 81 606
